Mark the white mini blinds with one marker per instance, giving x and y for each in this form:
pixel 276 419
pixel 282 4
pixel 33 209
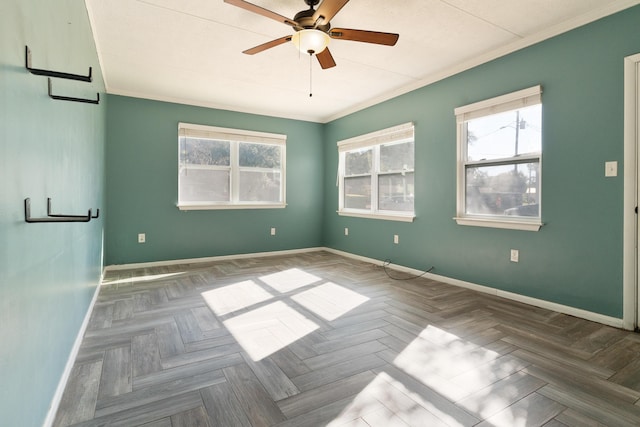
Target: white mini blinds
pixel 187 130
pixel 500 104
pixel 376 174
pixel 400 133
pixel 221 168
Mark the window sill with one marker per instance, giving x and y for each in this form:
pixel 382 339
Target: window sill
pixel 204 207
pixel 386 216
pixel 500 223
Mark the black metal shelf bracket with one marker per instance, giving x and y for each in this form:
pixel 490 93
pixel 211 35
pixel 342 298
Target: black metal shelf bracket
pixel 57 74
pixel 53 217
pixel 49 214
pixel 68 98
pixel 84 217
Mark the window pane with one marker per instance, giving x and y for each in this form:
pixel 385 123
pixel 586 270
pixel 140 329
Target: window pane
pixel 204 152
pixel 396 192
pixel 204 185
pixel 503 190
pixel 259 186
pixel 358 162
pixel 357 192
pixel 505 134
pixel 396 157
pixel 259 155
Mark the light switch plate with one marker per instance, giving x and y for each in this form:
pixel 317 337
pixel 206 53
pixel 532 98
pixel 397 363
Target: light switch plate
pixel 611 168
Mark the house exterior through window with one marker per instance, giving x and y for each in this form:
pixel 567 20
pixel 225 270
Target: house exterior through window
pixel 499 161
pixel 220 168
pixel 376 174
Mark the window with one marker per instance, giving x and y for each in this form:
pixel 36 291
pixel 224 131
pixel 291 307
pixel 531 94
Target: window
pixel 499 155
pixel 376 174
pixel 229 168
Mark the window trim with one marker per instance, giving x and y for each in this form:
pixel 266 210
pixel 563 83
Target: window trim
pixel 373 140
pixel 508 102
pixel 235 136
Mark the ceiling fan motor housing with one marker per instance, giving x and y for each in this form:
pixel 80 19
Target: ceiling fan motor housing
pixel 305 20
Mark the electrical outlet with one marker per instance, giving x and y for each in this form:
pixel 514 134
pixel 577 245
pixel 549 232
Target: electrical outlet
pixel 396 239
pixel 273 231
pixel 346 231
pixel 515 255
pixel 142 237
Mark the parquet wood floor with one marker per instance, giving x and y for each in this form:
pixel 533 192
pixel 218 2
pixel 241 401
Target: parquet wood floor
pixel 317 339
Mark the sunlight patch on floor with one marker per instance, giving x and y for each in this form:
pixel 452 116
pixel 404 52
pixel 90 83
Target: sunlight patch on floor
pixel 263 322
pixel 289 280
pixel 235 297
pixel 435 364
pixel 490 401
pixel 329 300
pixel 265 330
pixel 387 402
pixel 453 343
pixel 488 373
pixel 147 278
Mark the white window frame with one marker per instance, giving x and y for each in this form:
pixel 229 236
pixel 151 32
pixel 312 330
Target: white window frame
pixel 234 136
pixel 500 104
pixel 397 134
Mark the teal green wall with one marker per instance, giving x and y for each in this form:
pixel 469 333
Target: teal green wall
pixel 142 187
pixel 576 258
pixel 48 148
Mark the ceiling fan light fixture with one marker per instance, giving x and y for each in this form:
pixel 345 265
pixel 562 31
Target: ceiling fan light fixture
pixel 310 41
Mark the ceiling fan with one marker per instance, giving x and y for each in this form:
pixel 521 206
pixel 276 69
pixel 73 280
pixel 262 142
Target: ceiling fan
pixel 313 30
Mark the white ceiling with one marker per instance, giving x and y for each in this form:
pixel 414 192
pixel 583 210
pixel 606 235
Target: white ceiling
pixel 190 51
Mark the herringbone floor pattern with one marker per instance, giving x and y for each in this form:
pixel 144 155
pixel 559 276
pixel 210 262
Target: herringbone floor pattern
pixel 317 339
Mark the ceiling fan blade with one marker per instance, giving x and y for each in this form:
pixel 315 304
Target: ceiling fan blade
pixel 326 59
pixel 267 45
pixel 327 10
pixel 388 39
pixel 261 11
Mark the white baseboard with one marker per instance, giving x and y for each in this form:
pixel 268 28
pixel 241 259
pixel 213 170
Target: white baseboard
pixel 116 267
pixel 560 308
pixel 62 384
